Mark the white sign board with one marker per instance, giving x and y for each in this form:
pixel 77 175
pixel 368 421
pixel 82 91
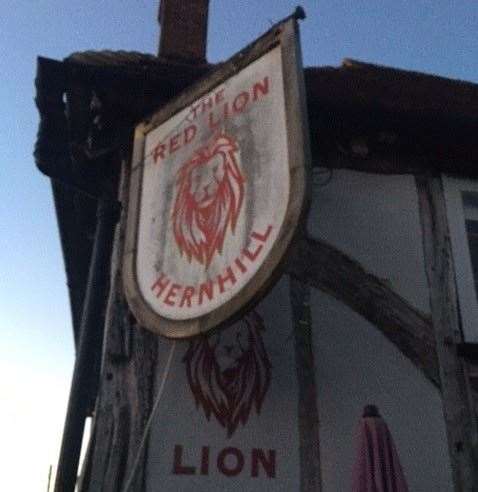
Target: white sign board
pixel 216 196
pixel 229 421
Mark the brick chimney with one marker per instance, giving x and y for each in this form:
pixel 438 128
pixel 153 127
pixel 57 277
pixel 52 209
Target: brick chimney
pixel 183 35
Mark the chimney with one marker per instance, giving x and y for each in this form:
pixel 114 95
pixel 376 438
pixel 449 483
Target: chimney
pixel 183 35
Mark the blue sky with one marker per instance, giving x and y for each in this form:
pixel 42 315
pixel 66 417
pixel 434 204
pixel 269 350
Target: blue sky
pixel 36 350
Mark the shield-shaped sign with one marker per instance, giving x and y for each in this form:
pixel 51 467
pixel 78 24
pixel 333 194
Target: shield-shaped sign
pixel 217 190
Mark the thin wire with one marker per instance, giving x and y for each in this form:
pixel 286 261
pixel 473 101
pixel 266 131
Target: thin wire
pixel 151 416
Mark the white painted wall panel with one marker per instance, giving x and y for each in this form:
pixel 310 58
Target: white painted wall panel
pixel 374 219
pixel 180 422
pixel 356 365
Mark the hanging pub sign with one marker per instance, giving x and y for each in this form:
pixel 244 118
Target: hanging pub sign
pixel 217 189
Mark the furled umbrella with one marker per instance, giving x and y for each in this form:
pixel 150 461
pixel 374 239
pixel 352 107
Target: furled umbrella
pixel 377 466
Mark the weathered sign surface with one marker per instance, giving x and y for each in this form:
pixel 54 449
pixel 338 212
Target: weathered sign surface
pixel 208 217
pixel 217 189
pixel 230 419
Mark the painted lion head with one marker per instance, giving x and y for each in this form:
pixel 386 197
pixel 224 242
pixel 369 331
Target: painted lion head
pixel 229 372
pixel 209 196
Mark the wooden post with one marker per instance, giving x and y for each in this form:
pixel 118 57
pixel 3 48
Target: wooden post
pixel 183 30
pixel 457 407
pixel 310 477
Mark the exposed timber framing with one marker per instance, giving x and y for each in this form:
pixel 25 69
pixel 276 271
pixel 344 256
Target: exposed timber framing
pixel 310 476
pixel 321 265
pixel 127 385
pixel 457 405
pixel 84 383
pixel 370 119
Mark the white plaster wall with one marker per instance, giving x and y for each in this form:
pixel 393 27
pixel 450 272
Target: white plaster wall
pixel 374 219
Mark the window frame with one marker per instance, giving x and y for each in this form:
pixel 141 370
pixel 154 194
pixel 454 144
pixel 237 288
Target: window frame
pixel 466 289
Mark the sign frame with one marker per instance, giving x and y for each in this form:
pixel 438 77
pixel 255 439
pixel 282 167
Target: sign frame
pixel 285 35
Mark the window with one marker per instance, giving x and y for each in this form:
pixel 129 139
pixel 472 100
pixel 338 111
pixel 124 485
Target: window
pixel 461 196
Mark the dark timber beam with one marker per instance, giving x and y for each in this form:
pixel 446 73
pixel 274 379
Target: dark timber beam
pixel 324 267
pixel 309 424
pixel 457 405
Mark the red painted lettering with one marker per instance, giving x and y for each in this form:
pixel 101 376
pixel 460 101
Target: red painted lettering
pixel 206 104
pixel 260 87
pixel 252 256
pixel 173 291
pixel 219 96
pixel 187 294
pixel 160 284
pixel 158 152
pixel 178 467
pixel 268 463
pixel 162 150
pixel 262 237
pixel 240 102
pixel 228 277
pixel 174 143
pixel 205 460
pixel 189 133
pixel 206 288
pixel 194 111
pixel 230 469
pixel 213 123
pixel 229 461
pixel 240 265
pixel 225 111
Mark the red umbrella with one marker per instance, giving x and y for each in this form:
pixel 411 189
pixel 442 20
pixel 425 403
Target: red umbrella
pixel 377 466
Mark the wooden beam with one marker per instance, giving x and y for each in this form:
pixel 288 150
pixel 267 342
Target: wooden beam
pixel 310 476
pixel 457 406
pixel 321 265
pixel 357 86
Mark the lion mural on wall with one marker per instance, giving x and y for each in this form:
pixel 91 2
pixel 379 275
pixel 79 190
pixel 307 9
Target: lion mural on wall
pixel 229 372
pixel 209 196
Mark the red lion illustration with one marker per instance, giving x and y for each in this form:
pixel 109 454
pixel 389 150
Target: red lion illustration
pixel 229 372
pixel 209 196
